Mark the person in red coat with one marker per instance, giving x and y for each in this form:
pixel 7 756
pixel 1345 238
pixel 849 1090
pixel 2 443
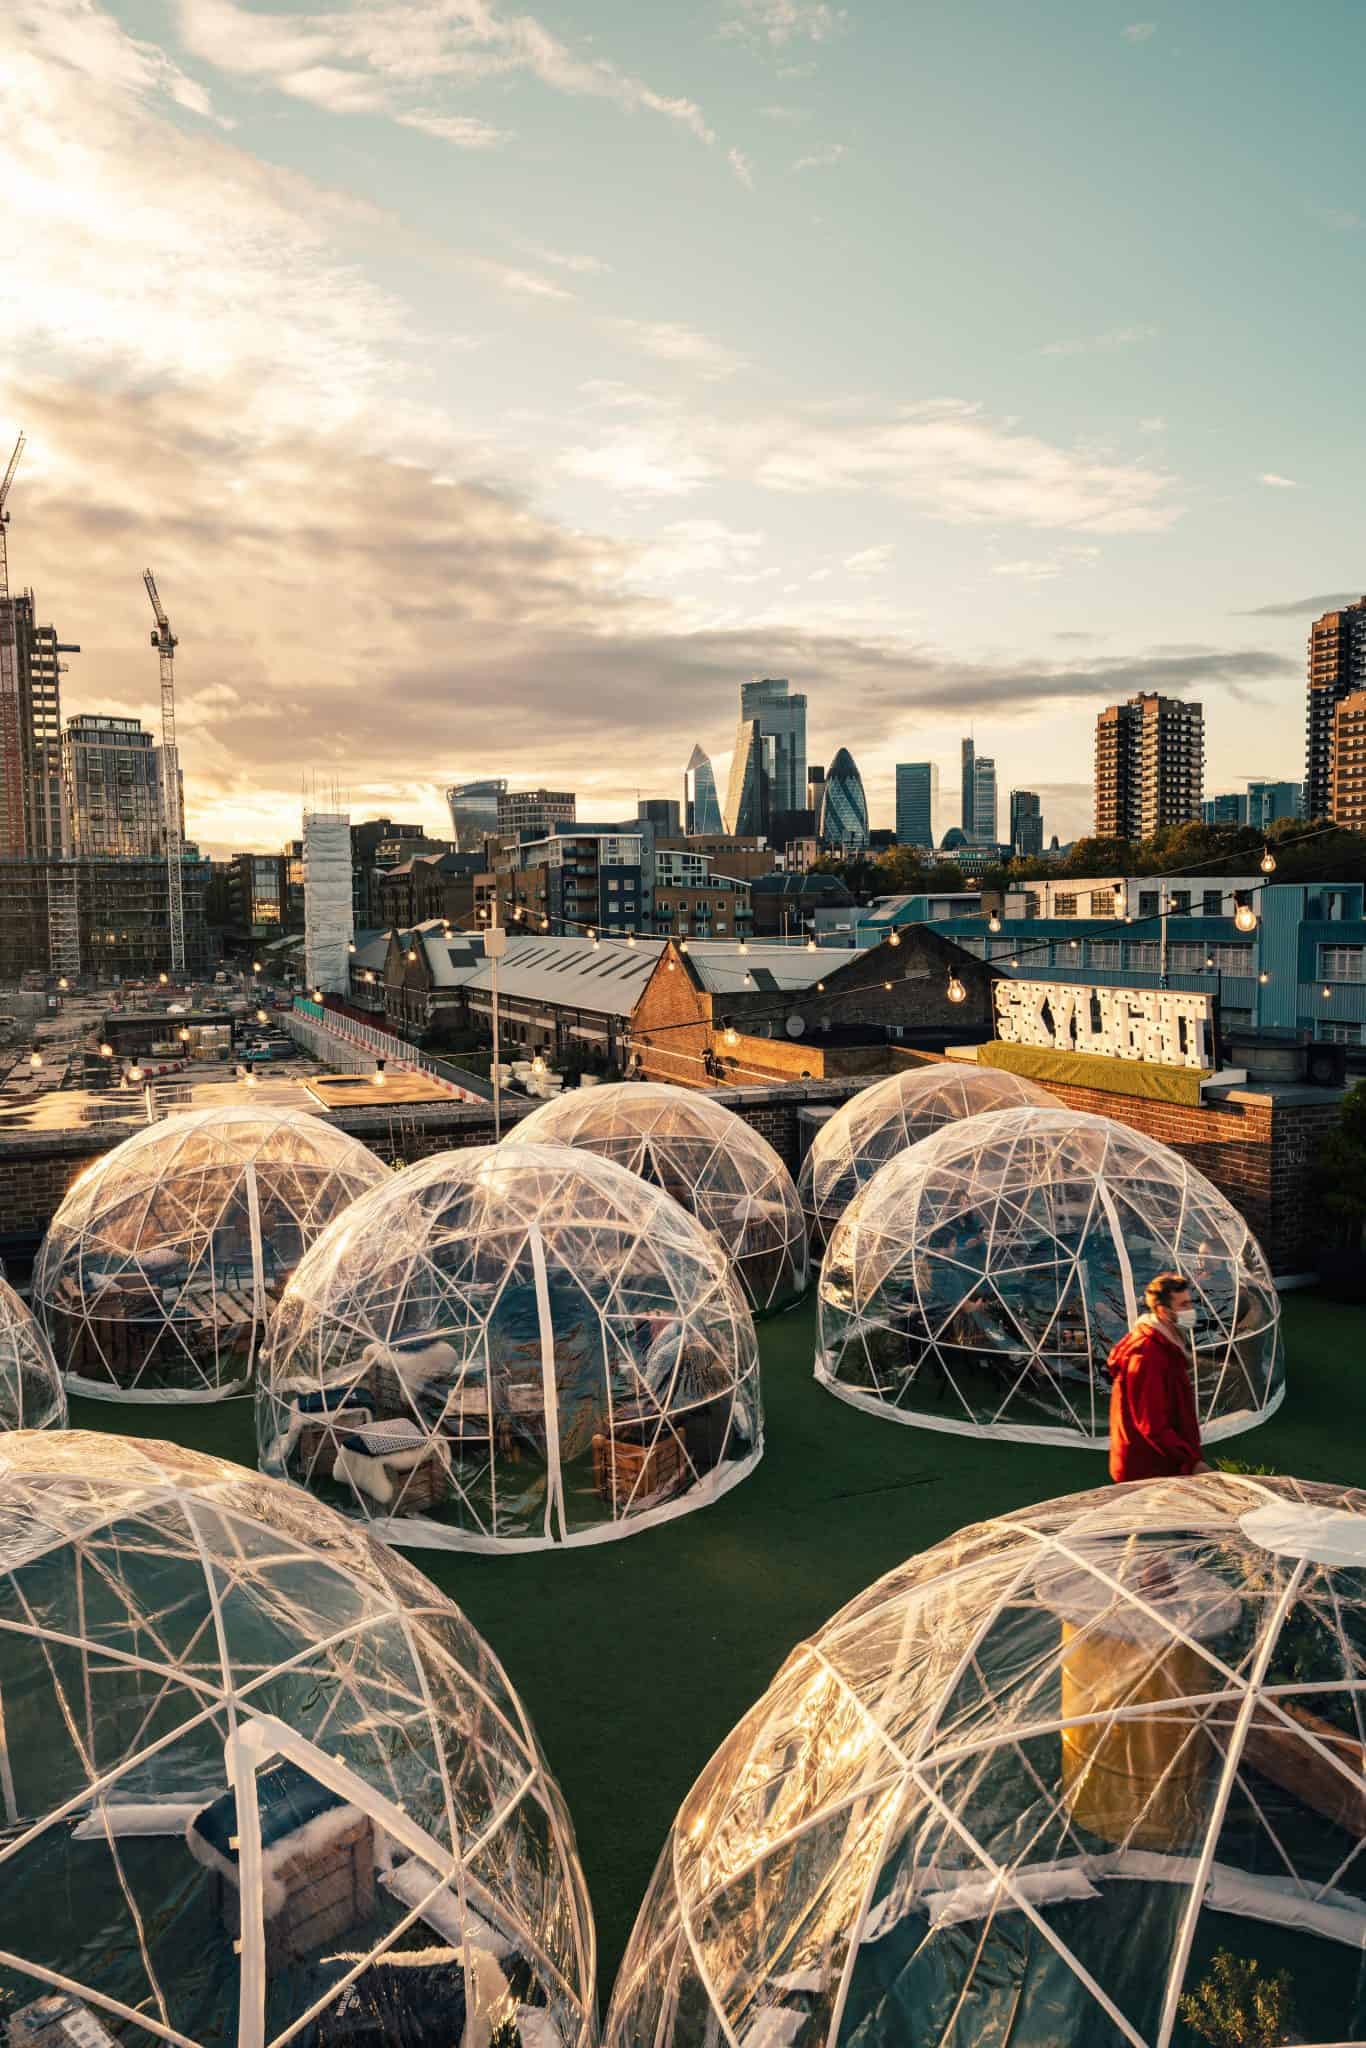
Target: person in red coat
pixel 1154 1430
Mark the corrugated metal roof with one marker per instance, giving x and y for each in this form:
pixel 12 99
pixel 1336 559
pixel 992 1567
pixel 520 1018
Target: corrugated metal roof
pixel 723 969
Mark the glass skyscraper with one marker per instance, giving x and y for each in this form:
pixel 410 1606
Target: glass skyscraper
pixel 917 800
pixel 768 766
pixel 701 804
pixel 844 807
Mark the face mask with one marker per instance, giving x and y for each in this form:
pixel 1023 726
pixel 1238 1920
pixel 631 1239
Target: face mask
pixel 1185 1318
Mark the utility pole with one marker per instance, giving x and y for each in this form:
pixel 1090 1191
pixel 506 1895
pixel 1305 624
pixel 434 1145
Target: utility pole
pixel 164 640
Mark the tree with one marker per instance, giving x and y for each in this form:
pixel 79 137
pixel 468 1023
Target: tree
pixel 1236 2007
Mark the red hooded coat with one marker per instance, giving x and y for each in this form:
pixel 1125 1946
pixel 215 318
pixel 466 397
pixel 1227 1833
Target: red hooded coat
pixel 1154 1430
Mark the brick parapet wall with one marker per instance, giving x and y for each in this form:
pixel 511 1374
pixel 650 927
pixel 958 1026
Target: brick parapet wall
pixel 1260 1148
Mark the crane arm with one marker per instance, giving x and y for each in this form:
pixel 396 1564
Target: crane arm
pixel 150 580
pixel 9 473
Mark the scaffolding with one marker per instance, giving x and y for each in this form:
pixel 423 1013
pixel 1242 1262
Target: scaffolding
pixel 328 921
pixel 63 919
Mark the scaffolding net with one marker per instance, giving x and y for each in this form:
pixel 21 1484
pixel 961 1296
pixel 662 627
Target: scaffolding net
pixel 328 916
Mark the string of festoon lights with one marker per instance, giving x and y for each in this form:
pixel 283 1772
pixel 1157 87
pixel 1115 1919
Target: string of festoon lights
pixel 1245 919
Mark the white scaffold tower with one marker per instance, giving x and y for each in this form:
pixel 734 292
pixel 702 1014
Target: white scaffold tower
pixel 164 641
pixel 328 920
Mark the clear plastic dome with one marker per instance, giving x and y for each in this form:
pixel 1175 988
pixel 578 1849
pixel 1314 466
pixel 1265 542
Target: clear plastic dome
pixel 166 1257
pixel 704 1155
pixel 515 1346
pixel 878 1122
pixel 260 1781
pixel 31 1392
pixel 1028 1787
pixel 980 1280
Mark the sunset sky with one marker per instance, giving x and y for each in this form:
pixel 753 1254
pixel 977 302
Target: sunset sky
pixel 493 392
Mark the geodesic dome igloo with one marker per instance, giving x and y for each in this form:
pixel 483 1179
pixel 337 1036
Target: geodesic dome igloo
pixel 165 1259
pixel 1029 1785
pixel 513 1347
pixel 31 1392
pixel 979 1281
pixel 709 1159
pixel 261 1781
pixel 888 1117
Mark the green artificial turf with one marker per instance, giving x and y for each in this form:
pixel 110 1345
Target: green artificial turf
pixel 635 1658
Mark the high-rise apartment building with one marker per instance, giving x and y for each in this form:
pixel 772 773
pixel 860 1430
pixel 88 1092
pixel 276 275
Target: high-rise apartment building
pixel 917 802
pixel 1150 765
pixel 984 800
pixel 1026 824
pixel 30 731
pixel 111 777
pixel 534 811
pixel 1347 789
pixel 1337 666
pixel 768 765
pixel 474 811
pixel 701 804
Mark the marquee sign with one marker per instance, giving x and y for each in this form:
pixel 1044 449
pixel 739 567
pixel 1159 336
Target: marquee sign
pixel 1165 1026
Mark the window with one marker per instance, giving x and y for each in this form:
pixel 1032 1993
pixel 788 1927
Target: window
pixel 1104 953
pixel 1064 906
pixel 1147 903
pixel 1232 959
pixel 1179 902
pixel 1211 903
pixel 612 882
pixel 1102 903
pixel 1187 959
pixel 1342 963
pixel 1143 954
pixel 1333 1032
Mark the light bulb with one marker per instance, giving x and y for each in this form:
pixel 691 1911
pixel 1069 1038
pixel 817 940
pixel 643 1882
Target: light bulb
pixel 744 948
pixel 1268 862
pixel 1074 944
pixel 135 1073
pixel 184 1036
pixel 251 1078
pixel 749 979
pixel 1245 918
pixel 106 1052
pixel 538 1065
pixel 671 965
pixel 1015 962
pixel 811 945
pixel 412 952
pixel 1209 963
pixel 35 1059
pixel 163 979
pixel 379 1077
pixel 820 988
pixel 631 938
pixel 887 985
pixel 993 923
pixel 350 945
pixel 261 1018
pixel 62 982
pixel 255 965
pixel 894 938
pixel 1264 978
pixel 682 945
pixel 956 991
pixel 730 1036
pixel 1327 992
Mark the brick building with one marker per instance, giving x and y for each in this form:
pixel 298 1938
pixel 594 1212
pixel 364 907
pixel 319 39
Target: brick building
pixel 429 885
pixel 786 1013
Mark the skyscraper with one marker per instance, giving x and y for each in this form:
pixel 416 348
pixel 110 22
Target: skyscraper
pixel 111 772
pixel 534 811
pixel 30 731
pixel 1150 765
pixel 665 813
pixel 474 811
pixel 1347 790
pixel 967 799
pixel 984 800
pixel 1026 824
pixel 917 802
pixel 772 728
pixel 1337 666
pixel 843 820
pixel 701 804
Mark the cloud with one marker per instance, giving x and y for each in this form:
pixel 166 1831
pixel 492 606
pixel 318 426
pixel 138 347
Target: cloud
pixel 1152 423
pixel 1028 571
pixel 870 561
pixel 742 167
pixel 567 259
pixel 77 35
pixel 463 130
pixel 779 22
pixel 1279 483
pixel 1100 344
pixel 822 159
pixel 376 58
pixel 1297 607
pixel 785 115
pixel 1139 31
pixel 673 342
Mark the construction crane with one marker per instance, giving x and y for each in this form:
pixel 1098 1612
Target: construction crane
pixel 164 641
pixel 12 823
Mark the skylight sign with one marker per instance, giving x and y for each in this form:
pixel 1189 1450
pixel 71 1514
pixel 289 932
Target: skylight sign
pixel 1164 1026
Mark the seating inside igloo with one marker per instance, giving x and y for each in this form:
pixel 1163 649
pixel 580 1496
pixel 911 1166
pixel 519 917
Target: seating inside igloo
pixel 1089 1772
pixel 890 1115
pixel 514 1346
pixel 166 1257
pixel 979 1281
pixel 261 1781
pixel 709 1159
pixel 31 1392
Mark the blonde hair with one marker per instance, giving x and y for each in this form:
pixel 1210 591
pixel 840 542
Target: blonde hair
pixel 1161 1289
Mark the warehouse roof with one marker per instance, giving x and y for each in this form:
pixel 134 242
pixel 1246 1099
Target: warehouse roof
pixel 725 970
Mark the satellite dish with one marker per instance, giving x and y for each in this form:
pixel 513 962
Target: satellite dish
pixel 796 1024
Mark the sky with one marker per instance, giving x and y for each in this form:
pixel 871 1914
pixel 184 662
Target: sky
pixel 494 391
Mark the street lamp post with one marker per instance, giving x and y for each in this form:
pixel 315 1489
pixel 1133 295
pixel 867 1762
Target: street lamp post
pixel 495 945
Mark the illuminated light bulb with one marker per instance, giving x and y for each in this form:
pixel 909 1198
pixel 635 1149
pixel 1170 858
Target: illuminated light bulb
pixel 887 985
pixel 730 1036
pixel 350 945
pixel 184 1036
pixel 744 947
pixel 956 991
pixel 811 945
pixel 820 988
pixel 163 979
pixel 1327 992
pixel 1074 944
pixel 1264 978
pixel 993 923
pixel 545 924
pixel 630 938
pixel 1267 862
pixel 1245 918
pixel 135 1073
pixel 106 1052
pixel 893 939
pixel 1209 963
pixel 378 1076
pixel 412 952
pixel 670 964
pixel 592 934
pixel 538 1065
pixel 261 1018
pixel 317 995
pixel 62 982
pixel 682 945
pixel 255 965
pixel 35 1059
pixel 749 979
pixel 1015 962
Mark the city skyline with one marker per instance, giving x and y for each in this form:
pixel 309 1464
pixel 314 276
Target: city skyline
pixel 424 412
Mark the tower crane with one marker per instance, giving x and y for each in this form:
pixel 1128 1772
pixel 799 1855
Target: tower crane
pixel 11 748
pixel 164 640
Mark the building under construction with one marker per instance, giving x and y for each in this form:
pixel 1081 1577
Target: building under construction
pixel 122 915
